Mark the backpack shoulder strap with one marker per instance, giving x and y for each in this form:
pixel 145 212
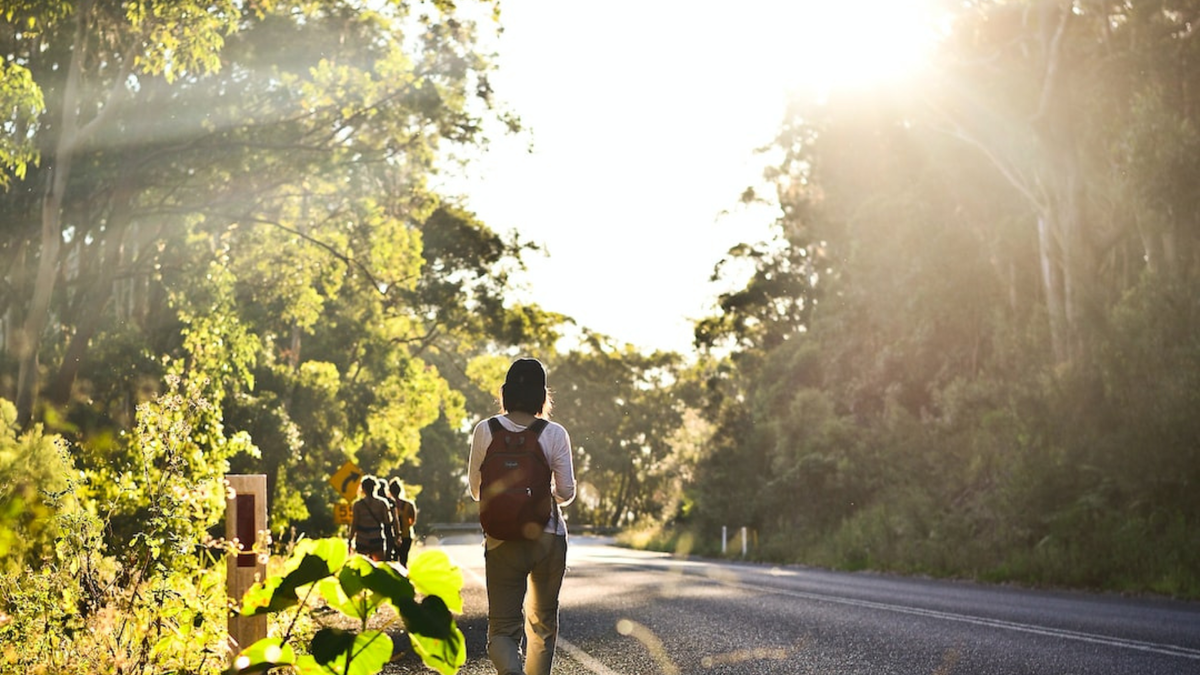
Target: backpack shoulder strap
pixel 539 425
pixel 536 427
pixel 370 512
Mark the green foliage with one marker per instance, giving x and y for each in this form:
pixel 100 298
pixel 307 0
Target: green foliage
pixel 76 615
pixel 168 488
pixel 617 405
pixel 406 400
pixel 181 38
pixel 140 588
pixel 71 604
pixel 438 470
pixel 37 493
pixel 22 99
pixel 773 305
pixel 287 504
pixel 359 589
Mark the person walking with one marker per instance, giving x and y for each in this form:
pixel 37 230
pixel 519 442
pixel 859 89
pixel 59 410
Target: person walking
pixel 405 511
pixel 536 566
pixel 371 521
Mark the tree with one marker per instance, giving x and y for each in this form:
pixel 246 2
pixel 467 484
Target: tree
pixel 88 72
pixel 1021 74
pixel 1002 262
pixel 620 408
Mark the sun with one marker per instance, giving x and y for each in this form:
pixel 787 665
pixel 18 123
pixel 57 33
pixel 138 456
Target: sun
pixel 830 44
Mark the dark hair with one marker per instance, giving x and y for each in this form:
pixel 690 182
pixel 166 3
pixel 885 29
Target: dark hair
pixel 524 389
pixel 367 484
pixel 396 487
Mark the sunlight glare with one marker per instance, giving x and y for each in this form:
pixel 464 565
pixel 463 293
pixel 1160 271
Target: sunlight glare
pixel 825 45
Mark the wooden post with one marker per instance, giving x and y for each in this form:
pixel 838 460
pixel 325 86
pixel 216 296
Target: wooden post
pixel 245 517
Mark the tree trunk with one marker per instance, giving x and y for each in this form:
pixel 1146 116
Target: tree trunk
pixel 1051 285
pixel 1065 261
pixel 1078 281
pixel 622 498
pixel 96 298
pixel 30 336
pixel 96 294
pixel 29 339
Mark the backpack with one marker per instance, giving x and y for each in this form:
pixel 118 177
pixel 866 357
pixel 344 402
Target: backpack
pixel 408 513
pixel 515 501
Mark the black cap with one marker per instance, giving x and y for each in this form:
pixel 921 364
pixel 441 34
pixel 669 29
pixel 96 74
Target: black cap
pixel 526 373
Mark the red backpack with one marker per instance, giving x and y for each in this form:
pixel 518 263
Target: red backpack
pixel 515 501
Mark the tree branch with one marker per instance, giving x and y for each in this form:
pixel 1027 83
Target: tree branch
pixel 379 286
pixel 1009 172
pixel 1054 52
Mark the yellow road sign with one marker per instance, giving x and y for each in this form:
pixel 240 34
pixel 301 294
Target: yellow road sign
pixel 343 513
pixel 346 479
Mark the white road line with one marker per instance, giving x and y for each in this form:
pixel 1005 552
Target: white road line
pixel 598 668
pixel 1123 643
pixel 474 576
pixel 1154 647
pixel 583 658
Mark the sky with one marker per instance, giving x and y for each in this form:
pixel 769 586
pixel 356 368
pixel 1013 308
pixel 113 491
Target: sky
pixel 643 119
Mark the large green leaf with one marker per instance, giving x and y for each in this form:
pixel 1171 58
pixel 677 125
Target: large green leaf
pixel 444 655
pixel 332 550
pixel 352 574
pixel 430 617
pixel 330 643
pixel 278 593
pixel 388 582
pixel 335 596
pixel 263 655
pixel 432 572
pixel 312 560
pixel 339 652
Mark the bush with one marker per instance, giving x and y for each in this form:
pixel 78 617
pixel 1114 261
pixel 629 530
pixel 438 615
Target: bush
pixel 37 493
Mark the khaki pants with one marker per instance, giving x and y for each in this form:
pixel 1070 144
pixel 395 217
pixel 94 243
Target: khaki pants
pixel 511 567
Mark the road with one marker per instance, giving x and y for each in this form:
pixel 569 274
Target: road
pixel 637 613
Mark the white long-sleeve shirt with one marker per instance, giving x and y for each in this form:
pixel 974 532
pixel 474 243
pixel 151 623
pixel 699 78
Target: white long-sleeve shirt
pixel 555 443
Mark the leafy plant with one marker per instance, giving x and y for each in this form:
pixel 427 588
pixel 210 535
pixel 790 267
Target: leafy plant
pixel 359 589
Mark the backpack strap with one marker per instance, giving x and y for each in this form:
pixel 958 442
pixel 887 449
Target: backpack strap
pixel 537 427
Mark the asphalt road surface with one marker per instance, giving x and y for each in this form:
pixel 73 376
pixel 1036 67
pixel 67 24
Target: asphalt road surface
pixel 636 613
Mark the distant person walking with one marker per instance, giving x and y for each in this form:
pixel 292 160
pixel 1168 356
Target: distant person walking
pixel 405 511
pixel 537 560
pixel 372 521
